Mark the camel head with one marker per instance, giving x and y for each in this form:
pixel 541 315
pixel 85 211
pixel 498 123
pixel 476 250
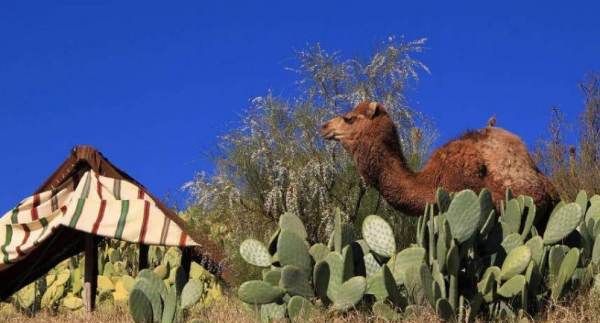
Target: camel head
pixel 367 124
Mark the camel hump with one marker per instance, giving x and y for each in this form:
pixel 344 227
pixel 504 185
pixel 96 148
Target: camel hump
pixel 508 161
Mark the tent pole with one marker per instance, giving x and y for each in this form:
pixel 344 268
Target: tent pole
pixel 186 261
pixel 143 260
pixel 91 272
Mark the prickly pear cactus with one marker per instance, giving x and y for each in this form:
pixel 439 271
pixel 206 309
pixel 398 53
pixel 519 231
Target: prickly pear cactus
pixel 299 309
pixel 379 236
pixel 191 294
pixel 467 261
pixel 259 292
pixel 295 282
pixel 291 222
pixel 293 250
pixel 515 263
pixel 464 215
pixel 140 307
pixel 255 253
pixel 349 293
pixel 562 222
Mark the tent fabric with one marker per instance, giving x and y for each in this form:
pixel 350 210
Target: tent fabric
pixel 99 205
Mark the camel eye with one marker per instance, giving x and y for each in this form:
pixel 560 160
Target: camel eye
pixel 349 119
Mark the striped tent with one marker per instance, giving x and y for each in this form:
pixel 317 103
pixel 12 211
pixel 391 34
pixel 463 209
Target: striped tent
pixel 87 195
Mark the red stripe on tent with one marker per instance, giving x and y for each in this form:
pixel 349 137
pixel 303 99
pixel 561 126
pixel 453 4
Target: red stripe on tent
pixel 182 239
pixel 100 216
pixel 145 221
pixel 34 211
pixel 165 230
pixel 98 186
pixel 140 193
pixel 25 238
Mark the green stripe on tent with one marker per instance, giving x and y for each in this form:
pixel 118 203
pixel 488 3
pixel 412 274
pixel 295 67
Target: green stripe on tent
pixel 54 201
pixel 77 213
pixel 86 186
pixel 14 218
pixel 9 233
pixel 44 223
pixel 122 218
pixel 117 189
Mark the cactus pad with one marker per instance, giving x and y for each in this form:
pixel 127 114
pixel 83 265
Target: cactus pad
pixel 593 212
pixel 318 252
pixel 536 246
pixel 464 215
pixel 516 262
pixel 299 308
pixel 562 223
pixel 409 257
pixel 291 222
pixel 295 282
pixel 191 293
pixel 596 252
pixel 259 292
pixel 379 236
pixel 385 312
pixel 140 307
pixel 152 293
pixel 272 276
pixel 272 312
pixel 292 250
pixel 565 272
pixel 162 271
pixel 511 219
pixel 255 253
pixel 73 303
pixel 511 241
pixel 321 279
pixel 349 293
pixel 371 264
pixel 512 287
pixel 105 284
pixel 170 306
pixel 376 286
pixel 444 310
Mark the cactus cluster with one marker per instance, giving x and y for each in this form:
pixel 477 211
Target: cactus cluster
pixel 467 261
pixel 153 300
pixel 61 289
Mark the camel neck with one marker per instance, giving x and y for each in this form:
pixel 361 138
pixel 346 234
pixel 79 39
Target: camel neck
pixel 402 188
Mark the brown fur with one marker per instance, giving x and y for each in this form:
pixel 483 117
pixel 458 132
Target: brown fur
pixel 490 157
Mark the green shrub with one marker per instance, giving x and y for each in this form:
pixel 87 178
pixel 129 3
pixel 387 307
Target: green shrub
pixel 276 161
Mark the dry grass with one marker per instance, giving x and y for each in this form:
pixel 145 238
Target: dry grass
pixel 107 313
pixel 232 310
pixel 582 308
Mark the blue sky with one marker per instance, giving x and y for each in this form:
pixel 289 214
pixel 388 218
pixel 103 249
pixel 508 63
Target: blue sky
pixel 153 84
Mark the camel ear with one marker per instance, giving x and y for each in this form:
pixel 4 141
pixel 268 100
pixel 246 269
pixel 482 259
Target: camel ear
pixel 374 109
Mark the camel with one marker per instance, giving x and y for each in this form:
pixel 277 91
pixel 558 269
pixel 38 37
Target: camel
pixel 491 158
